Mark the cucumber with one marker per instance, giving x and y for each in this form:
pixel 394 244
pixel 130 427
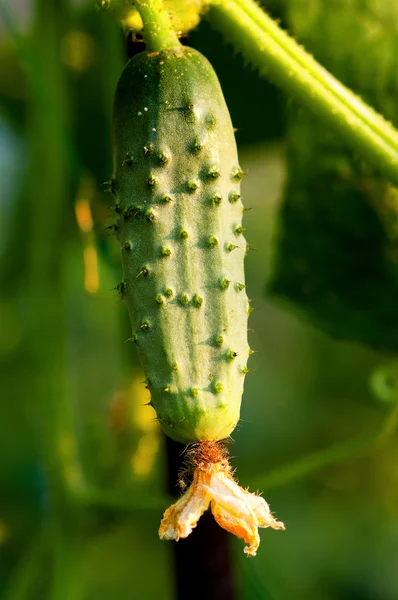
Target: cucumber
pixel 179 212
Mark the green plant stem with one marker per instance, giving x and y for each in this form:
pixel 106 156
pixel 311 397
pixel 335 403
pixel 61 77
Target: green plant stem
pixel 48 213
pixel 159 34
pixel 93 496
pixel 307 61
pixel 298 469
pixel 322 458
pixel 279 57
pixel 30 62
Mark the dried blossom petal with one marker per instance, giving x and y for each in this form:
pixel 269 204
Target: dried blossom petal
pixel 235 509
pixel 243 528
pixel 262 512
pixel 179 520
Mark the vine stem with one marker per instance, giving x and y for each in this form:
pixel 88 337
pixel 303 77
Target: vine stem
pixel 336 453
pixel 159 34
pixel 283 475
pixel 265 45
pixel 194 554
pixel 306 60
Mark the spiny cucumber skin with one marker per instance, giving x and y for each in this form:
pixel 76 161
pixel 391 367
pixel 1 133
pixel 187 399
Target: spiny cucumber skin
pixel 179 215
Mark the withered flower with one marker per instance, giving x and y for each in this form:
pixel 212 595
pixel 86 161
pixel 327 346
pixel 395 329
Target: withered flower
pixel 235 509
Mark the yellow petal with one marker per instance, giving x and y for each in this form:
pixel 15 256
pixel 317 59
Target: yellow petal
pixel 226 491
pixel 235 509
pixel 179 520
pixel 262 511
pixel 241 527
pixel 239 511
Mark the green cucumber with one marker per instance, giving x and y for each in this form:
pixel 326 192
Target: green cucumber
pixel 179 214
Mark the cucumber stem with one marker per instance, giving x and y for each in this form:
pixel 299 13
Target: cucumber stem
pixel 291 68
pixel 159 35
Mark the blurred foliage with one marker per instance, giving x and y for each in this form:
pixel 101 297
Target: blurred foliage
pixel 337 248
pixel 81 461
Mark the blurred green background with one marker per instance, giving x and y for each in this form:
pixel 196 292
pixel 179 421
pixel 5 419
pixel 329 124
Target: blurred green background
pixel 82 466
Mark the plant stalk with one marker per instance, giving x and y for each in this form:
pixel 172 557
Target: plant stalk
pixel 280 58
pixel 279 477
pixel 159 34
pixel 339 452
pixel 206 550
pixel 47 213
pixel 307 61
